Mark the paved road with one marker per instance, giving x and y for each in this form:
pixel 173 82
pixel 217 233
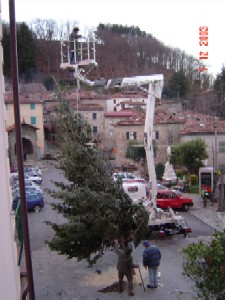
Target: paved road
pixel 57 278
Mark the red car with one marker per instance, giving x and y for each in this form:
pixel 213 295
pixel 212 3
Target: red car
pixel 168 198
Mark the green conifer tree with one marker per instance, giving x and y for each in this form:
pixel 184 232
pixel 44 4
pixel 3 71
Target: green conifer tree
pixel 96 209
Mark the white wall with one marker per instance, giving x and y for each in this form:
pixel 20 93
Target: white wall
pixel 9 272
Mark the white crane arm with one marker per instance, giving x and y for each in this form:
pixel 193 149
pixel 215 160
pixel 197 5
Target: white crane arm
pixel 155 91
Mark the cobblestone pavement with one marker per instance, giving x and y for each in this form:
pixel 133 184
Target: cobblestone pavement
pixel 58 278
pixel 209 215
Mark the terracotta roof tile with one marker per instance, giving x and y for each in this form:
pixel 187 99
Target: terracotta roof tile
pixel 121 114
pixel 12 127
pixel 87 107
pixel 193 127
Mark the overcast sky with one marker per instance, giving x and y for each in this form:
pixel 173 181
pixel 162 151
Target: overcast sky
pixel 175 23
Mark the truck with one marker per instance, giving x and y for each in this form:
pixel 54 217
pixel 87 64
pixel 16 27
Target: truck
pixel 165 222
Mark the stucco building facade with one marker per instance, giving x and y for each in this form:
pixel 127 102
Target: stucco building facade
pixel 31 113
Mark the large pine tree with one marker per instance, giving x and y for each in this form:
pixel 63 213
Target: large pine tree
pixel 96 209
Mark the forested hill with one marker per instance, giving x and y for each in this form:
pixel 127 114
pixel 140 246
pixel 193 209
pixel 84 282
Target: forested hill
pixel 123 51
pixel 128 51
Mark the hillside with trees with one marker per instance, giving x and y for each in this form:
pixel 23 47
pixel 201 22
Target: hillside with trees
pixel 121 51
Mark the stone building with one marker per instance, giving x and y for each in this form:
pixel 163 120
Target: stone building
pixel 29 142
pixel 213 133
pixel 167 126
pixel 94 114
pixel 31 112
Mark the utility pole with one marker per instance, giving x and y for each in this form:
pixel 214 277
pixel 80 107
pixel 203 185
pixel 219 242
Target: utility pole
pixel 9 270
pixel 215 151
pixel 19 148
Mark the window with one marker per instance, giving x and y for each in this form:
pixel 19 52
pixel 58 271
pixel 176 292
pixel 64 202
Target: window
pixel 95 129
pixel 132 189
pixel 221 146
pixel 94 116
pixel 32 106
pixel 114 101
pixel 170 138
pixel 131 135
pixel 32 120
pixel 159 196
pixel 155 135
pixel 155 151
pixel 222 168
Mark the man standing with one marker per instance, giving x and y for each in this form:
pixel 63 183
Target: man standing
pixel 151 260
pixel 125 267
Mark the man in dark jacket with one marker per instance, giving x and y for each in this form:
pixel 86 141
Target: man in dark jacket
pixel 151 260
pixel 125 267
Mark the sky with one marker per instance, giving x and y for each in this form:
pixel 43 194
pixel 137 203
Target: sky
pixel 175 23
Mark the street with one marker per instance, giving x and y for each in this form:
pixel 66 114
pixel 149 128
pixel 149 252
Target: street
pixel 55 277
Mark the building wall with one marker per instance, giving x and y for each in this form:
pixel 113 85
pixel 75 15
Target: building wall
pixel 111 132
pixel 95 119
pixel 121 144
pixel 9 271
pixel 27 133
pixel 101 102
pixel 167 135
pixel 164 135
pixel 26 113
pixel 211 140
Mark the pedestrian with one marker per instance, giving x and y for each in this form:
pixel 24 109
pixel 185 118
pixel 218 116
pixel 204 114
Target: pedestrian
pixel 204 194
pixel 125 267
pixel 151 261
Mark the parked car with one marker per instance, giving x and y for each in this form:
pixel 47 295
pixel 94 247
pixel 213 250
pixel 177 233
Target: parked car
pixel 127 177
pixel 28 183
pixel 123 175
pixel 136 190
pixel 28 189
pixel 34 170
pixel 27 176
pixel 168 198
pixel 35 201
pixel 35 178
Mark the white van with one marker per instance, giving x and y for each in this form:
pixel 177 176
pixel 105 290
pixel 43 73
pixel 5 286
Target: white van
pixel 136 190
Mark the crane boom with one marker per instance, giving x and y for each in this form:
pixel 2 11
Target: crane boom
pixel 155 91
pixel 78 56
